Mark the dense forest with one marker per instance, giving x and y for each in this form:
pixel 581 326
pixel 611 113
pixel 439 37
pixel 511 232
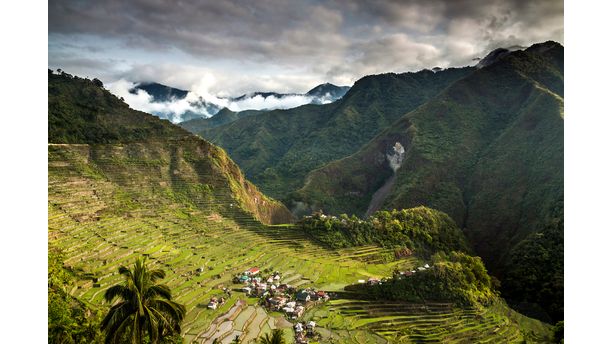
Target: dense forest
pixel 420 230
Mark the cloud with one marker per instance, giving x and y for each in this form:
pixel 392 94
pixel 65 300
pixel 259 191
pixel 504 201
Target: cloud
pixel 199 102
pixel 284 45
pixel 140 100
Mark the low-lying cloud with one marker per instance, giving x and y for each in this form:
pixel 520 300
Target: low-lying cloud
pixel 203 104
pixel 172 110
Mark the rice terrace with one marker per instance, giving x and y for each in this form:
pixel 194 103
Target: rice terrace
pixel 199 195
pixel 101 223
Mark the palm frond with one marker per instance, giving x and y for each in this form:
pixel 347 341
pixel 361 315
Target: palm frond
pixel 159 290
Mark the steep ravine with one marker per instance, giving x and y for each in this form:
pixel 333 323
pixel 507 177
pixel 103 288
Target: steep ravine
pixel 395 160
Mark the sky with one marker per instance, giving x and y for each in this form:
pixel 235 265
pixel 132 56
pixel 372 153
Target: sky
pixel 227 48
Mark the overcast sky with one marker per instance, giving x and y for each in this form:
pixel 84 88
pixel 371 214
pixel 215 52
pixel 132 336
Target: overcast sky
pixel 232 47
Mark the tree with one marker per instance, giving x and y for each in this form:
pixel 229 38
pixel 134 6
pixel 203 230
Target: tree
pixel 97 82
pixel 144 308
pixel 275 338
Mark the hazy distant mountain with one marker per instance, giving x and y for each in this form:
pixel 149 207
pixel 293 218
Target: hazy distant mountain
pixel 328 91
pixel 201 109
pixel 159 92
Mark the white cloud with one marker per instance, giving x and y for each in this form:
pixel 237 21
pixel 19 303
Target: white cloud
pixel 172 110
pixel 175 109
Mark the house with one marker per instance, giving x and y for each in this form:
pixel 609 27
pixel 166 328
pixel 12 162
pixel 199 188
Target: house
pixel 322 295
pixel 373 281
pixel 427 266
pixel 298 327
pixel 278 302
pixel 303 296
pixel 252 271
pixel 310 327
pixel 213 303
pixel 299 310
pixel 420 268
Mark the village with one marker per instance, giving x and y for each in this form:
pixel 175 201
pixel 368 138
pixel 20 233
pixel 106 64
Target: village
pixel 275 296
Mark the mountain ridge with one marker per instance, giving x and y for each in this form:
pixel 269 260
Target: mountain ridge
pixel 104 134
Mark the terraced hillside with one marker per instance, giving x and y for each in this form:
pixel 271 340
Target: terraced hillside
pixel 360 321
pixel 101 223
pixel 162 193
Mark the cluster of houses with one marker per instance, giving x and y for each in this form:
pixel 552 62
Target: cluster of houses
pixel 292 303
pixel 412 272
pixel 257 286
pixel 281 297
pixel 400 275
pixel 303 331
pixel 216 302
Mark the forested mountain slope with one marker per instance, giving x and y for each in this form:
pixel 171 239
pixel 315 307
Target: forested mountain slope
pixel 276 149
pixel 488 151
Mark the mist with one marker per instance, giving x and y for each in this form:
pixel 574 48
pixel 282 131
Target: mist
pixel 201 103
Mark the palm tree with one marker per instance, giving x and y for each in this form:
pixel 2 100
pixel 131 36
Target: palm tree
pixel 275 338
pixel 143 307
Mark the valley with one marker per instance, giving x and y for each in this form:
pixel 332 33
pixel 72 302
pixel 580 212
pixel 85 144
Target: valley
pixel 123 184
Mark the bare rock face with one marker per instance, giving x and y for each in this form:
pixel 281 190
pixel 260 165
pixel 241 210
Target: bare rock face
pixel 396 157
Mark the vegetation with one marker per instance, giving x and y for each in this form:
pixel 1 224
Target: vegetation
pixel 533 280
pixel 277 149
pixel 488 151
pixel 420 230
pixel 145 147
pixel 81 111
pixel 186 206
pixel 145 311
pixel 275 338
pixel 70 320
pixel 455 277
pixel 224 116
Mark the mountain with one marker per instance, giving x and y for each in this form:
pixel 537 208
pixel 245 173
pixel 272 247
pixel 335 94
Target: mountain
pixel 322 94
pixel 142 187
pixel 165 94
pixel 328 92
pixel 96 135
pixel 278 148
pixel 224 116
pixel 159 92
pixel 488 151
